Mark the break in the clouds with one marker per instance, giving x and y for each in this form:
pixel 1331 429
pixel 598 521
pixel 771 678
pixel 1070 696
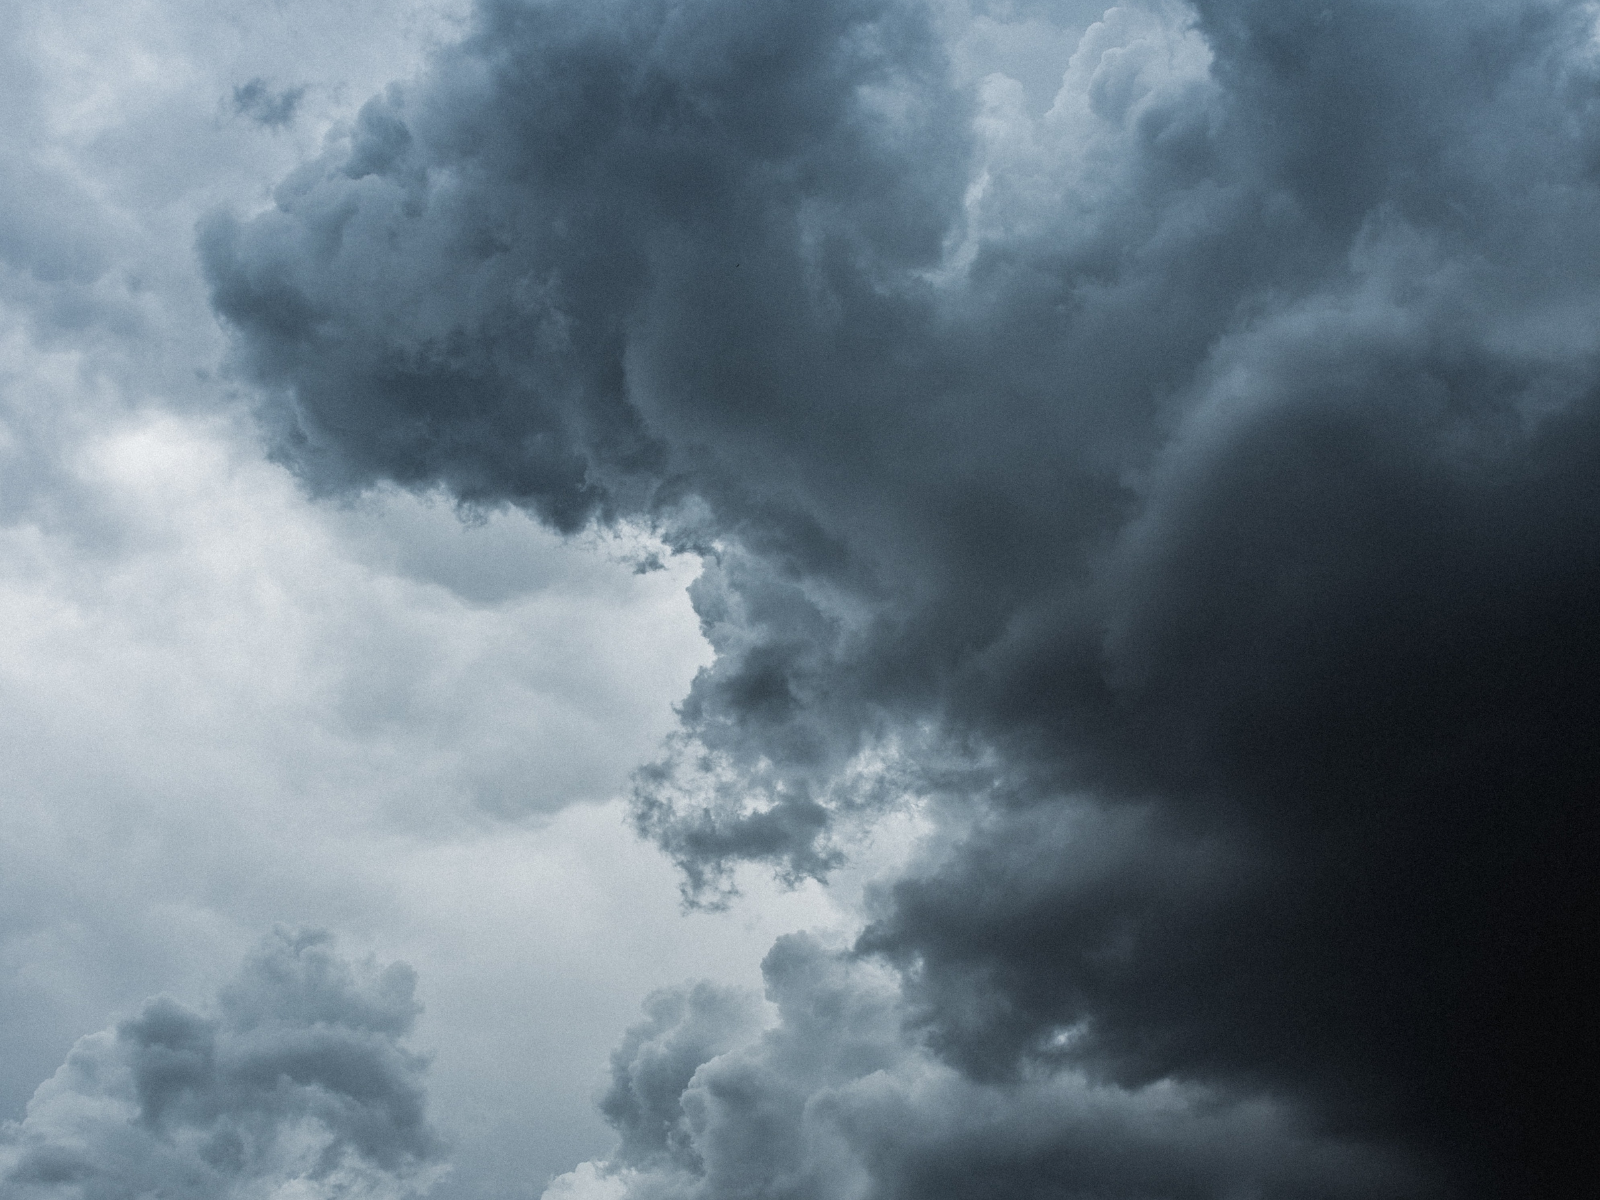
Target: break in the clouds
pixel 1182 486
pixel 296 1083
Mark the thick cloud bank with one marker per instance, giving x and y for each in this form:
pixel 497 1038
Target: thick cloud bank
pixel 1184 488
pixel 296 1086
pixel 837 1100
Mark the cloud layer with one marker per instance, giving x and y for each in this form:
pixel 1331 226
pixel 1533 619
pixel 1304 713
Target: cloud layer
pixel 1184 491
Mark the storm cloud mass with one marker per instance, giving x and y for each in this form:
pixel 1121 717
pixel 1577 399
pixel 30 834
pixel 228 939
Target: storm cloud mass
pixel 1181 490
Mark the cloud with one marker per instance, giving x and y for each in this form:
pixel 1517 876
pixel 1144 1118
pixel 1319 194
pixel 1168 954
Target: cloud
pixel 1182 493
pixel 259 102
pixel 836 1100
pixel 295 1084
pixel 222 707
pixel 225 708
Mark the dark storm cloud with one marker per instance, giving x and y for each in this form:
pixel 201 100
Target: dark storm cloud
pixel 1190 489
pixel 296 1080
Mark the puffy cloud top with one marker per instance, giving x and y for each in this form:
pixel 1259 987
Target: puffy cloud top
pixel 295 1085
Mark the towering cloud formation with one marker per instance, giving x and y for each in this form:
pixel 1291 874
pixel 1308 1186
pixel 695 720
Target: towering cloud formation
pixel 1187 491
pixel 295 1086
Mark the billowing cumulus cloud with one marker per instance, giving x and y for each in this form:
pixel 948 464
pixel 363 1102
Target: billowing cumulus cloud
pixel 297 1084
pixel 837 1100
pixel 1180 487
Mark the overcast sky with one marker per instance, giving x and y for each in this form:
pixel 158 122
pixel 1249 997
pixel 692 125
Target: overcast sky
pixel 834 599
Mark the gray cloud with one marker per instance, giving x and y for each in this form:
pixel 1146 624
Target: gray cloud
pixel 1186 491
pixel 836 1100
pixel 259 102
pixel 297 1081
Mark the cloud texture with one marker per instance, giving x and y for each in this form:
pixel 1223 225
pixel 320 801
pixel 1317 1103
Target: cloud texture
pixel 296 1086
pixel 1184 491
pixel 836 1099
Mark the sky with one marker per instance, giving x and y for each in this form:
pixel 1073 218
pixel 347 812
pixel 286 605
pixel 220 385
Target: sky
pixel 817 599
